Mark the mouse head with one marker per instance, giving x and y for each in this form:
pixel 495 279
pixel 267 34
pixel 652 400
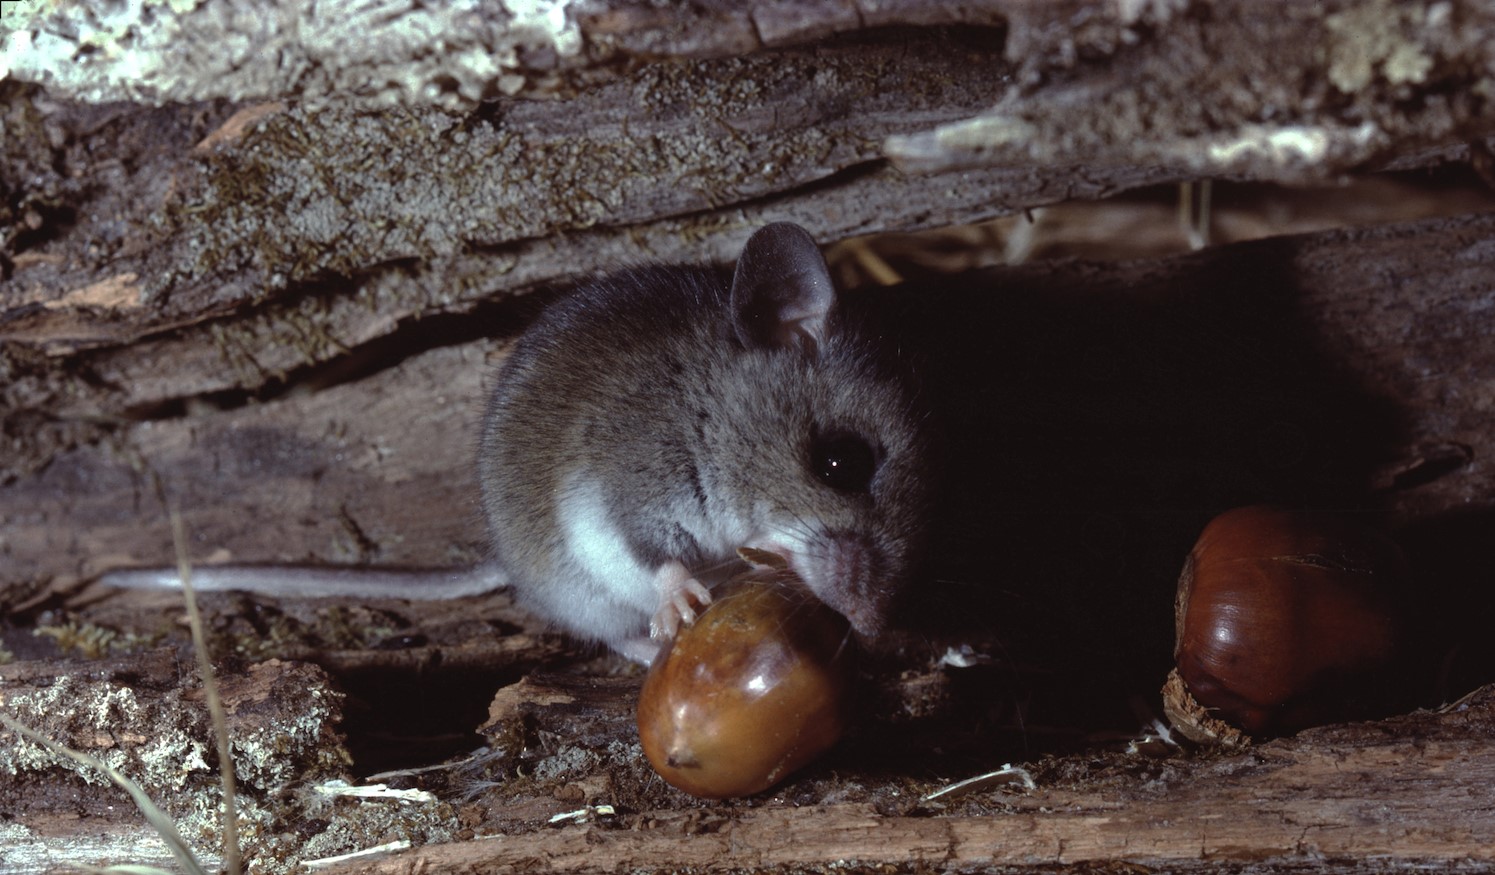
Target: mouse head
pixel 827 458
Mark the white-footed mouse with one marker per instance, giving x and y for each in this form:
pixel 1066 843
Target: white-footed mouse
pixel 647 426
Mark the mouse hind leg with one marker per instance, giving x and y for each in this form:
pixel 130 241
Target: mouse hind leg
pixel 641 650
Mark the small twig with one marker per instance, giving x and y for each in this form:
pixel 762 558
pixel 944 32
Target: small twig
pixel 232 855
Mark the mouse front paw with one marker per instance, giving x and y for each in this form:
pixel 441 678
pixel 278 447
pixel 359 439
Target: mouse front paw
pixel 681 599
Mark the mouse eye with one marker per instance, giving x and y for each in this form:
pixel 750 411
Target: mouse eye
pixel 844 462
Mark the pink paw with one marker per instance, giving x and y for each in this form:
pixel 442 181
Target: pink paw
pixel 681 599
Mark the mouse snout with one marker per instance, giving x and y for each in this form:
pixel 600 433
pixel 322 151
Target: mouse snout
pixel 849 574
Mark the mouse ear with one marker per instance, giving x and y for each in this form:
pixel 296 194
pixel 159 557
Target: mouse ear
pixel 781 291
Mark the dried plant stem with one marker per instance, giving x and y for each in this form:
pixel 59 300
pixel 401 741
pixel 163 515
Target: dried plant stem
pixel 232 856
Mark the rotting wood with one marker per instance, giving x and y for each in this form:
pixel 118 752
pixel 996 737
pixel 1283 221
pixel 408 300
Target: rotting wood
pixel 104 399
pixel 308 234
pixel 1401 795
pixel 142 713
pixel 1112 409
pixel 335 476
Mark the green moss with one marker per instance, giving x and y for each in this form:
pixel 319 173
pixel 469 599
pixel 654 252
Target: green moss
pixel 95 642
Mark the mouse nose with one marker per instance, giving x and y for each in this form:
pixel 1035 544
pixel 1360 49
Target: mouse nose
pixel 850 574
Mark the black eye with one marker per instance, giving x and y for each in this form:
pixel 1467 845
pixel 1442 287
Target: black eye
pixel 843 462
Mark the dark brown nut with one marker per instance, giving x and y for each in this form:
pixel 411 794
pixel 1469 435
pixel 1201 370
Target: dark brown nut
pixel 1284 620
pixel 753 690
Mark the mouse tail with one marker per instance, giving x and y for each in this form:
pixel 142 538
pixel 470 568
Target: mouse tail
pixel 311 581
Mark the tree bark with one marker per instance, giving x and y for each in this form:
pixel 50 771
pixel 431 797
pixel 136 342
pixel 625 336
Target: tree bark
pixel 379 469
pixel 161 257
pixel 1404 794
pixel 266 273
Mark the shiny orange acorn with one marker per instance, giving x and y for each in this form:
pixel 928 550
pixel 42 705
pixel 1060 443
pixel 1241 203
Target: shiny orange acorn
pixel 1285 619
pixel 757 687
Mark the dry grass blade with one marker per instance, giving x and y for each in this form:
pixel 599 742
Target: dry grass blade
pixel 232 855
